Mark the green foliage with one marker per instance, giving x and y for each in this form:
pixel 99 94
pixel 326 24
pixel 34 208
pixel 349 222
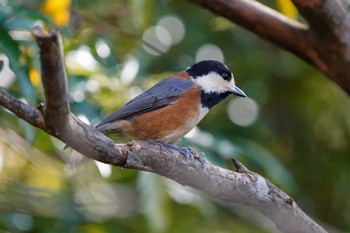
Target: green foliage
pixel 297 134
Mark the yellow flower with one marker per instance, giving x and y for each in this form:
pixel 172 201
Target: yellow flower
pixel 59 10
pixel 34 76
pixel 287 8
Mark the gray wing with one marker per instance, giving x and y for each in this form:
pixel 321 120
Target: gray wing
pixel 160 95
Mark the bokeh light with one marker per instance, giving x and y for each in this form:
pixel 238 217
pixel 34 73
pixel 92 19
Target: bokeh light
pixel 243 111
pixel 174 26
pixel 104 169
pixel 21 221
pixel 92 85
pixel 193 133
pixel 209 52
pixel 7 77
pixel 227 149
pixel 81 57
pixel 102 49
pixel 130 70
pixel 78 96
pixel 157 40
pixel 84 119
pixel 181 194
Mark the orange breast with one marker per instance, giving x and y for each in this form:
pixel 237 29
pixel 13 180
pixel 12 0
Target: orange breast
pixel 167 124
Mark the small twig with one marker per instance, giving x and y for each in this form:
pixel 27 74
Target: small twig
pixel 239 166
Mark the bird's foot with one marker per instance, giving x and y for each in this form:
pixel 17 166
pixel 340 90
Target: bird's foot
pixel 188 152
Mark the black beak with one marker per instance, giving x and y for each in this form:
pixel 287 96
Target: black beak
pixel 235 90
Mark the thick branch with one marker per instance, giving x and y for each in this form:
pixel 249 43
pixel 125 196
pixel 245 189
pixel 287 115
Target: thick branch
pixel 325 44
pixel 244 186
pixel 329 22
pixel 267 23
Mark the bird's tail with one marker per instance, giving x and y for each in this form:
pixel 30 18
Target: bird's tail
pixel 109 127
pixel 102 127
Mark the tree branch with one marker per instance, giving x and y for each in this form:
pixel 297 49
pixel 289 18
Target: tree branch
pixel 244 186
pixel 56 108
pixel 329 22
pixel 325 43
pixel 58 120
pixel 267 23
pixel 32 115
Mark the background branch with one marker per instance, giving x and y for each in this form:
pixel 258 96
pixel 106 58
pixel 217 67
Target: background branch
pixel 324 43
pixel 243 186
pixel 265 22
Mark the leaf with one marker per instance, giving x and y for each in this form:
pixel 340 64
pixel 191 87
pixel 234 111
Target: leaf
pixel 5 13
pixel 29 13
pixel 11 48
pixel 18 17
pixel 20 23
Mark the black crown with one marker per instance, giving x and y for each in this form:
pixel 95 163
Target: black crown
pixel 205 67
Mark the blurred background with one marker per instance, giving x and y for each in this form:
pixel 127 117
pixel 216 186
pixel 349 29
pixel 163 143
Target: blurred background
pixel 293 129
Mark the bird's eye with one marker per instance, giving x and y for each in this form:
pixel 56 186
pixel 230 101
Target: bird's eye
pixel 226 76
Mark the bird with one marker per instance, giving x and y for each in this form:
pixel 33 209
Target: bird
pixel 174 106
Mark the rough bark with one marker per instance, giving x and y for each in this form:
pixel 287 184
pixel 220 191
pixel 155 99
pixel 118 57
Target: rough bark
pixel 58 120
pixel 329 28
pixel 324 42
pixel 243 186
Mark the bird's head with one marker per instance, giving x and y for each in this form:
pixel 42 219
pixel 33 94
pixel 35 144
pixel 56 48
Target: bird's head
pixel 214 77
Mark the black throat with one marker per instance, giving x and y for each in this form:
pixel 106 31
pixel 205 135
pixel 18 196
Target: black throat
pixel 209 100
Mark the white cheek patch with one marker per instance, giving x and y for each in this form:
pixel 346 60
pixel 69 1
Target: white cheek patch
pixel 213 82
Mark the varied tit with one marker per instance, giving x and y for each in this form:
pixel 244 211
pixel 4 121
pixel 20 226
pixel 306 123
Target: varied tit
pixel 175 105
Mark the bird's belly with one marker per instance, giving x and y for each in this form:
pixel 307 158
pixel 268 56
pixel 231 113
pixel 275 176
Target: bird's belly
pixel 175 132
pixel 170 123
pixel 202 112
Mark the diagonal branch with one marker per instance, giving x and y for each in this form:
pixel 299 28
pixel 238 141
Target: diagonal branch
pixel 329 22
pixel 324 43
pixel 243 186
pixel 267 23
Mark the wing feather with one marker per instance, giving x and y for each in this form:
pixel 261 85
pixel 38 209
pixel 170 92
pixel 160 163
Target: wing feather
pixel 162 94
